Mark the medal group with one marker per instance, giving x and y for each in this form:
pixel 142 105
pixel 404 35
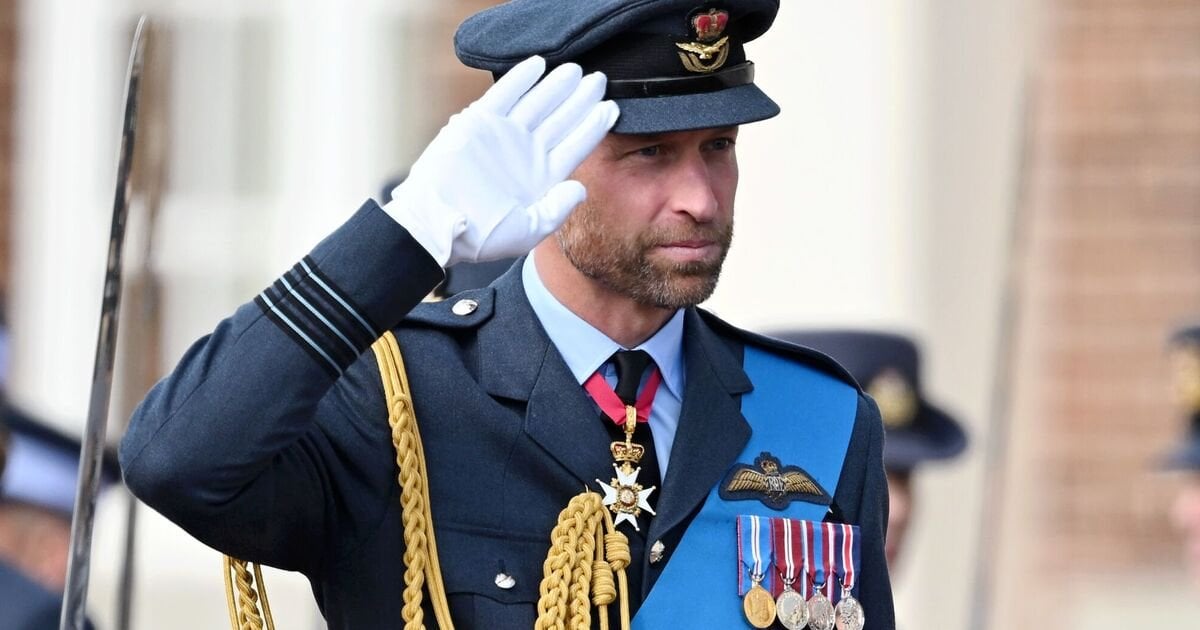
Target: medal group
pixel 799 573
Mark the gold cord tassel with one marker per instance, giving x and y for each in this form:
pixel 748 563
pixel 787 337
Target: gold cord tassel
pixel 586 549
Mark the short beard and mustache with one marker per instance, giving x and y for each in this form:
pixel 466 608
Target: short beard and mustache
pixel 625 267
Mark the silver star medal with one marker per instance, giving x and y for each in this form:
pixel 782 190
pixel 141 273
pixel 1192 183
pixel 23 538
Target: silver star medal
pixel 625 497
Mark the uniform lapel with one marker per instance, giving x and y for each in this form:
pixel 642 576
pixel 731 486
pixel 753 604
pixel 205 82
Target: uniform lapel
pixel 712 431
pixel 518 361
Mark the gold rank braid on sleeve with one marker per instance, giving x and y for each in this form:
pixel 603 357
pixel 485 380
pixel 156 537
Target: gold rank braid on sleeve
pixel 586 549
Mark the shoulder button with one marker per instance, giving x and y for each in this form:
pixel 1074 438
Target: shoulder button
pixel 464 307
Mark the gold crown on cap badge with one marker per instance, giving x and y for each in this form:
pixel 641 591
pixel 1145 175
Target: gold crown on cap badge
pixel 710 50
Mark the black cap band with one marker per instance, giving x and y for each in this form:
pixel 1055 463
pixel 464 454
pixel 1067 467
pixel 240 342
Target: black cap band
pixel 740 74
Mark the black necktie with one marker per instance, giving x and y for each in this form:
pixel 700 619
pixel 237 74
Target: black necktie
pixel 631 367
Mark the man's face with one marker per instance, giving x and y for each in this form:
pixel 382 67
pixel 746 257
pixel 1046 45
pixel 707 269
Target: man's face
pixel 658 219
pixel 900 498
pixel 1186 516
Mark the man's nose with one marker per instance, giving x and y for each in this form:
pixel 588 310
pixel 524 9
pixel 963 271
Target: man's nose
pixel 692 190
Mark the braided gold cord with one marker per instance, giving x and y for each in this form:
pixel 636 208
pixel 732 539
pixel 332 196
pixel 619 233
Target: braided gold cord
pixel 243 599
pixel 420 545
pixel 585 552
pixel 413 511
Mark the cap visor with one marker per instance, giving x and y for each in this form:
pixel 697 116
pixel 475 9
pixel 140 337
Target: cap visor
pixel 933 435
pixel 725 108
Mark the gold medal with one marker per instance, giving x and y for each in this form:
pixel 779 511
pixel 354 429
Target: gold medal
pixel 820 612
pixel 791 609
pixel 759 606
pixel 849 614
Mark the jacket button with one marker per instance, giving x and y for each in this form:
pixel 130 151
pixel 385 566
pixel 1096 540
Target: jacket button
pixel 464 307
pixel 657 550
pixel 505 581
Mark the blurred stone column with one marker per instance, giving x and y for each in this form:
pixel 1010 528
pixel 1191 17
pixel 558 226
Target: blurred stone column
pixel 73 55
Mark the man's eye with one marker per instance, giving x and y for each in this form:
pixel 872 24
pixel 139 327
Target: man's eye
pixel 721 144
pixel 649 151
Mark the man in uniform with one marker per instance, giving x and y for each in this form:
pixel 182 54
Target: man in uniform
pixel 270 442
pixel 1185 367
pixel 916 430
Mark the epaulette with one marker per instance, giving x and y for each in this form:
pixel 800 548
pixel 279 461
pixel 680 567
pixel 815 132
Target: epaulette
pixel 467 309
pixel 813 358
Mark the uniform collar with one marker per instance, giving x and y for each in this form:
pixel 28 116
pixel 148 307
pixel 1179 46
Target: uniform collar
pixel 585 349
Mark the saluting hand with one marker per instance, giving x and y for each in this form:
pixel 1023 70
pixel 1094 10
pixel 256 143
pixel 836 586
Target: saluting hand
pixel 491 184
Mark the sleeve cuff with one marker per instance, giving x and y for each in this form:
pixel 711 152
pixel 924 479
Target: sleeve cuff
pixel 357 283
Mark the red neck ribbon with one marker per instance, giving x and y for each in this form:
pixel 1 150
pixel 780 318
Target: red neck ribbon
pixel 611 404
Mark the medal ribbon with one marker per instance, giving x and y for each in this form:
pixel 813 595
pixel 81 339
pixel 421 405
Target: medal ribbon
pixel 849 556
pixel 805 537
pixel 606 397
pixel 829 546
pixel 786 535
pixel 816 553
pixel 750 553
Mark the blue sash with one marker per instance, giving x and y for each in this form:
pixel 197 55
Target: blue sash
pixel 798 414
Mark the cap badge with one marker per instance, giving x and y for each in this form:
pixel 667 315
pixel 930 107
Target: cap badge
pixel 772 483
pixel 896 399
pixel 1185 376
pixel 711 48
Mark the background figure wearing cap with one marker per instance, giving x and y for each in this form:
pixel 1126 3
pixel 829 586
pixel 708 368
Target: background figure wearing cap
pixel 888 366
pixel 269 440
pixel 1185 367
pixel 37 495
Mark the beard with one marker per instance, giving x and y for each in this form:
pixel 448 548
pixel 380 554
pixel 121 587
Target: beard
pixel 624 264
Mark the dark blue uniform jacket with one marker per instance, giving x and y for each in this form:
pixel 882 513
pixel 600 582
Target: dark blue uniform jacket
pixel 270 440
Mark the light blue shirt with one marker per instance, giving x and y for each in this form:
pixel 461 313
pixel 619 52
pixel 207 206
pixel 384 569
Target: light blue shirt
pixel 585 350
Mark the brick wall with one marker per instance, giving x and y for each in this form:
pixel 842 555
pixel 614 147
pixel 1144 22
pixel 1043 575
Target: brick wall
pixel 1112 262
pixel 8 67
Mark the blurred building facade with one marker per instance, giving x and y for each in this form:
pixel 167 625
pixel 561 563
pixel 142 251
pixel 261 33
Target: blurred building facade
pixel 1016 183
pixel 1110 264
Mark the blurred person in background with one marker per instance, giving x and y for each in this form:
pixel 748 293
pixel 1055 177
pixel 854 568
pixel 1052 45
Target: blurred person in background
pixel 1185 376
pixel 37 496
pixel 888 366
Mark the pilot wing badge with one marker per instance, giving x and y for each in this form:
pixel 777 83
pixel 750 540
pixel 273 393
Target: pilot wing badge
pixel 773 483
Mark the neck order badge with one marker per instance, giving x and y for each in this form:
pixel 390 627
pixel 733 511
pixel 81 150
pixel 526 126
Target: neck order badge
pixel 623 495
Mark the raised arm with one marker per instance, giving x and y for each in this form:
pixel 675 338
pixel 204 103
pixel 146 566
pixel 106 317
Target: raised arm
pixel 265 423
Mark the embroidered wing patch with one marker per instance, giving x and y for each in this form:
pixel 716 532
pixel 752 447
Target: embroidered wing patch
pixel 772 483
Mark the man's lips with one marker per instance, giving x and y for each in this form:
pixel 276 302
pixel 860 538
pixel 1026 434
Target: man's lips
pixel 692 249
pixel 693 243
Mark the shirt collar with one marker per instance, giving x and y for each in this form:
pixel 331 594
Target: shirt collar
pixel 584 348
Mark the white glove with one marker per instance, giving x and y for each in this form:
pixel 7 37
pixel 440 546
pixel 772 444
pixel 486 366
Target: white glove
pixel 491 184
